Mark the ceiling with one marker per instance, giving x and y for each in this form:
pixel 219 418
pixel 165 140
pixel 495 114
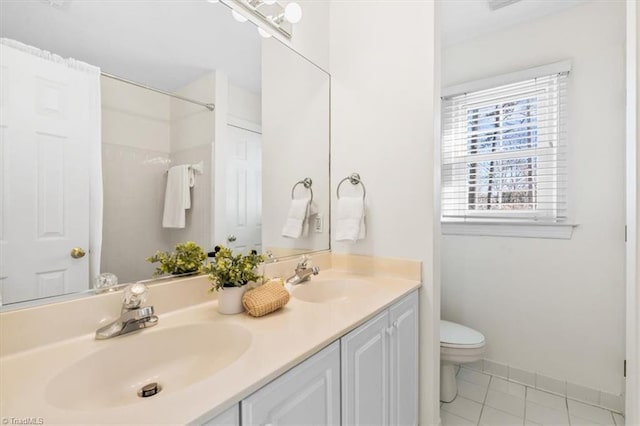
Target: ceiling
pixel 164 44
pixel 167 44
pixel 462 20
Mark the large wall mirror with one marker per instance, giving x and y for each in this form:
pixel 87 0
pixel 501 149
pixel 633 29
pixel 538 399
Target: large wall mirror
pixel 109 110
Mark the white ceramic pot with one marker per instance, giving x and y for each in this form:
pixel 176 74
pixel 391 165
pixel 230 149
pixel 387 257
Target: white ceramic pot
pixel 230 300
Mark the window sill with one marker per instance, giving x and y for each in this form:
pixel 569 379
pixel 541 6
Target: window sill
pixel 560 231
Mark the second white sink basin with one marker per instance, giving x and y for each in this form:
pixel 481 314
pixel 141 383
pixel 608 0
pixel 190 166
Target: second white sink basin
pixel 330 291
pixel 173 357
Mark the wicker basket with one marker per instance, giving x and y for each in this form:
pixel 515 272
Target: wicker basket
pixel 265 299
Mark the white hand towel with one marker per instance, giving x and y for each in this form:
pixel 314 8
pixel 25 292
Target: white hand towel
pixel 298 212
pixel 177 196
pixel 350 219
pixel 312 211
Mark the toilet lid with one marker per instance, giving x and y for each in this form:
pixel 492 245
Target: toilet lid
pixel 456 335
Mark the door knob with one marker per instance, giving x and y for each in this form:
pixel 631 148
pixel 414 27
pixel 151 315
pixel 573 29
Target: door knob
pixel 77 253
pixel 231 238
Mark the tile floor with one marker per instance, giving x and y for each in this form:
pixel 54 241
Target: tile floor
pixel 491 401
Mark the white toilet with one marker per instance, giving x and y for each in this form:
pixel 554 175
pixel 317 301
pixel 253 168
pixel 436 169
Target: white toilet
pixel 458 345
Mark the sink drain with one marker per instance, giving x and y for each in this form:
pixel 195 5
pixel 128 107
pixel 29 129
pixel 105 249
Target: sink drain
pixel 149 390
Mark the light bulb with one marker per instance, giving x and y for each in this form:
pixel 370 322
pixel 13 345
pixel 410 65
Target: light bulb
pixel 213 1
pixel 293 13
pixel 269 2
pixel 238 17
pixel 263 33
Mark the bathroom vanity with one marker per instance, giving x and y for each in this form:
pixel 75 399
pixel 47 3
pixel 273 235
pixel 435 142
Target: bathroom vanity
pixel 345 343
pixel 377 361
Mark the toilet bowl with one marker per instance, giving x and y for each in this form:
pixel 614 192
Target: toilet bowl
pixel 458 345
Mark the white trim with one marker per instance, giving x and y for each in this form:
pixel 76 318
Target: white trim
pixel 501 80
pixel 632 294
pixel 566 389
pixel 561 231
pixel 430 301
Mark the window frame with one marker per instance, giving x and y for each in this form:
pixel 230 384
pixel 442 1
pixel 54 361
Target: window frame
pixel 530 223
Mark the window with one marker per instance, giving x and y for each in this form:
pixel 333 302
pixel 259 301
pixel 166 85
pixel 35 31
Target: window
pixel 504 149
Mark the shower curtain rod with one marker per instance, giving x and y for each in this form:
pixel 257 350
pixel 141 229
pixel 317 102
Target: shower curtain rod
pixel 210 107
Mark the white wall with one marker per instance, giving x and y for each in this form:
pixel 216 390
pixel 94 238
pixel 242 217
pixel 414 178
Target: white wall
pixel 244 104
pixel 135 149
pixel 295 134
pixel 192 133
pixel 310 35
pixel 382 65
pixel 632 408
pixel 554 306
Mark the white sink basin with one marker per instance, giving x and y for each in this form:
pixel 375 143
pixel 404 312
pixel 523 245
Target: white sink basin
pixel 331 291
pixel 173 357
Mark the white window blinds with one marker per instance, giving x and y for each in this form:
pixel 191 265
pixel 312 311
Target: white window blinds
pixel 504 152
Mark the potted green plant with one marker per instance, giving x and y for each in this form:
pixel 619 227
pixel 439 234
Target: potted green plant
pixel 229 274
pixel 186 258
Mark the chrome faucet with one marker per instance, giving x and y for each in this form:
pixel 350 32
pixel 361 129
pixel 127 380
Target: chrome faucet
pixel 133 316
pixel 303 272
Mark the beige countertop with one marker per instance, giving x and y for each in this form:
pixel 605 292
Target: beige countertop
pixel 278 342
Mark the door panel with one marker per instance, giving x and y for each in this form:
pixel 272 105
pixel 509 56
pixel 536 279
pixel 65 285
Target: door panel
pixel 309 394
pixel 44 176
pixel 230 417
pixel 244 190
pixel 365 374
pixel 403 375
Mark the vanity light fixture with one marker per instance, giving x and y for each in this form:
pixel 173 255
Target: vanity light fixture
pixel 238 17
pixel 273 13
pixel 293 13
pixel 263 33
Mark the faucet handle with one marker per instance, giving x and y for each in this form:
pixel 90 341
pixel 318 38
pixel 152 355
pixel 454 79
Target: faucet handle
pixel 304 261
pixel 135 294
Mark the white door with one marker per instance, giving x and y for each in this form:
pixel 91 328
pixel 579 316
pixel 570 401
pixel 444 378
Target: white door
pixel 44 179
pixel 403 361
pixel 365 374
pixel 243 215
pixel 308 394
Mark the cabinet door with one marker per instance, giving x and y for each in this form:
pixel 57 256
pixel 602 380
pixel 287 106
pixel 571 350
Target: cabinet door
pixel 308 394
pixel 365 374
pixel 231 417
pixel 403 320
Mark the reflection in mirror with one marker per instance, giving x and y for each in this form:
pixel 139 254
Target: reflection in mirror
pixel 294 145
pixel 118 142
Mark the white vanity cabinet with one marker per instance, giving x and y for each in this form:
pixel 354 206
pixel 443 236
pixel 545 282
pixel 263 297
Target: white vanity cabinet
pixel 231 417
pixel 380 368
pixel 308 394
pixel 368 377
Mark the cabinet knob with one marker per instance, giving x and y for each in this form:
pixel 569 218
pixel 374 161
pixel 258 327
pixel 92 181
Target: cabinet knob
pixel 389 331
pixel 77 253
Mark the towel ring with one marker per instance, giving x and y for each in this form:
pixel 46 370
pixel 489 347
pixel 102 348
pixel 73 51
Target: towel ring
pixel 354 178
pixel 306 182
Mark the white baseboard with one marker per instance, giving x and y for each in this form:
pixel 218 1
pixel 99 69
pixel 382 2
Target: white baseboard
pixel 550 384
